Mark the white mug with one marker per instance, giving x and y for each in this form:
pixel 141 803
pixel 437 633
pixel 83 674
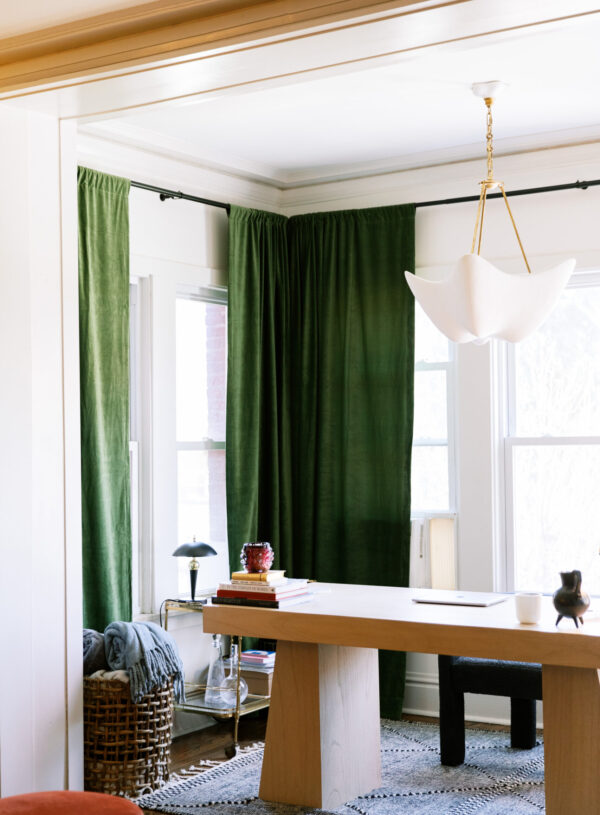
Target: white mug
pixel 528 606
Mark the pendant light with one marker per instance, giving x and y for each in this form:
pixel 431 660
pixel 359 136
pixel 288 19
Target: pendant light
pixel 478 301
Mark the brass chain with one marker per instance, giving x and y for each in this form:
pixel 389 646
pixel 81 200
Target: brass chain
pixel 489 184
pixel 488 139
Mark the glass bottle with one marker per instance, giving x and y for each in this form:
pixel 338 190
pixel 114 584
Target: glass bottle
pixel 216 676
pixel 229 693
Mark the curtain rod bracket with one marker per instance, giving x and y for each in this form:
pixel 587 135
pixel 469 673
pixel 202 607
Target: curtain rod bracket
pixel 164 196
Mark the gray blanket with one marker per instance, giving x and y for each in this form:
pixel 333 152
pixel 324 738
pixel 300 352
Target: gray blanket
pixel 94 658
pixel 147 653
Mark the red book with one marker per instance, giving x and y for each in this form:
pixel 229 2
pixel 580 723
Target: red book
pixel 252 594
pixel 260 603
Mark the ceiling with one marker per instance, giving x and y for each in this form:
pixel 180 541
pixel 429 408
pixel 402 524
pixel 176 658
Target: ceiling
pixel 413 109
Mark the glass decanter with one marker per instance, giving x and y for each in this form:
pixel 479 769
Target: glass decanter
pixel 215 681
pixel 229 692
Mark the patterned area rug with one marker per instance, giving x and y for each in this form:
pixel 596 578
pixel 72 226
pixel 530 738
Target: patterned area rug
pixel 494 780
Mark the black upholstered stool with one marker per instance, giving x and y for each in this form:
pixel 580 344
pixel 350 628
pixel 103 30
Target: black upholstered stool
pixel 522 681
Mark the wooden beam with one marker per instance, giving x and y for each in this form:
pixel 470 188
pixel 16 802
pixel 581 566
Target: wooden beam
pixel 165 29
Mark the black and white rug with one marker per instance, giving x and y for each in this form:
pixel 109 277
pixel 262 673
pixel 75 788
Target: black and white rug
pixel 494 780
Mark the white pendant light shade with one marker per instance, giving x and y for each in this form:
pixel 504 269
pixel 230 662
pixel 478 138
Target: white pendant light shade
pixel 478 301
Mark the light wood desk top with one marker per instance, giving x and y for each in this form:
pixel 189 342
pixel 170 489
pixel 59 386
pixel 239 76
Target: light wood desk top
pixel 325 688
pixel 387 618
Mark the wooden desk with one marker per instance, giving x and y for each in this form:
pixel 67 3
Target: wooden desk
pixel 322 742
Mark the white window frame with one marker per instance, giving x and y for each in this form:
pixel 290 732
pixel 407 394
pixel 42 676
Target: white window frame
pixel 449 366
pixel 204 294
pixel 159 283
pixel 135 321
pixel 583 279
pixel 420 572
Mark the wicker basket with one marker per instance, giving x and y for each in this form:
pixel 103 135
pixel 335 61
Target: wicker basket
pixel 126 745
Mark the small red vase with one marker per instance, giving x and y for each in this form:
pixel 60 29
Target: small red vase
pixel 257 557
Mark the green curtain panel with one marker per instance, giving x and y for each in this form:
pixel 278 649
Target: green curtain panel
pixel 325 335
pixel 258 388
pixel 353 350
pixel 103 202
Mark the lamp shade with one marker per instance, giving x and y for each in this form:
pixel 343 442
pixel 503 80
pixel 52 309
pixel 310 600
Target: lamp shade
pixel 478 301
pixel 194 549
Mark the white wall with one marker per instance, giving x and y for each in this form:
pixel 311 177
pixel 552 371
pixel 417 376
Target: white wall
pixel 553 226
pixel 40 701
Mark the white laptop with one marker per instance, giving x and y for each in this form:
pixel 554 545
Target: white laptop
pixel 460 598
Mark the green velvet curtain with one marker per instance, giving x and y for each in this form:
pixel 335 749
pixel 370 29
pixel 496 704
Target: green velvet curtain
pixel 320 404
pixel 103 202
pixel 258 450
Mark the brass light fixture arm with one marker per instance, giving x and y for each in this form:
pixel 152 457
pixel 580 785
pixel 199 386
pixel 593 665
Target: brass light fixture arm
pixel 490 183
pixel 478 220
pixel 514 227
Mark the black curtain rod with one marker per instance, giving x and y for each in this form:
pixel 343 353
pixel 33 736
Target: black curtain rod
pixel 574 185
pixel 166 194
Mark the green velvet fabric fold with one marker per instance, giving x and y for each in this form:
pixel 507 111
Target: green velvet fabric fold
pixel 103 202
pixel 320 397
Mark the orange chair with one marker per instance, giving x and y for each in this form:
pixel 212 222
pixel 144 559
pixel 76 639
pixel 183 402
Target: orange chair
pixel 67 802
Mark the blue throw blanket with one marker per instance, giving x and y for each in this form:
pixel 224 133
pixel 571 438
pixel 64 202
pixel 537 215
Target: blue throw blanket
pixel 147 653
pixel 94 658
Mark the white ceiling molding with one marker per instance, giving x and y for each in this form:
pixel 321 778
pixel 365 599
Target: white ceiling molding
pixel 122 133
pixel 404 111
pixel 541 168
pixel 149 167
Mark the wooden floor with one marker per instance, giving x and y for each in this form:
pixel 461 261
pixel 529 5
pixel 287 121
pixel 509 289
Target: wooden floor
pixel 187 751
pixel 212 742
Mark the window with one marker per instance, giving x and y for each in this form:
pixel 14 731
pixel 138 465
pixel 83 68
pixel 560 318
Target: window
pixel 432 459
pixel 201 389
pixel 433 558
pixel 552 448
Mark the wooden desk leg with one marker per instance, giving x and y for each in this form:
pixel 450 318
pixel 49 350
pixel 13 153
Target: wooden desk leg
pixel 571 739
pixel 322 742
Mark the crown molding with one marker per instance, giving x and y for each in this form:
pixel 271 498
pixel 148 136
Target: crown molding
pixel 168 170
pixel 555 165
pixel 166 29
pixel 159 144
pixel 126 134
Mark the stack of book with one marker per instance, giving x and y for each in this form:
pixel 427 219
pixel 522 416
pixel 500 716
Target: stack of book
pixel 265 589
pixel 257 670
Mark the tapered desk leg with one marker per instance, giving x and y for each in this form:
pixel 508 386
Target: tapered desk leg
pixel 571 739
pixel 322 742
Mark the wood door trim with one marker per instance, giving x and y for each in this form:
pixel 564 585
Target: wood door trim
pixel 166 29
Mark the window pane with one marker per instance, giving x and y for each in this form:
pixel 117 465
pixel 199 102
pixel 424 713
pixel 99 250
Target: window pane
pixel 557 370
pixel 201 368
pixel 555 500
pixel 431 415
pixel 202 513
pixel 429 480
pixel 430 344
